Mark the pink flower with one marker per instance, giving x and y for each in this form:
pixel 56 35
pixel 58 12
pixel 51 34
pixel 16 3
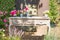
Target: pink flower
pixel 13 12
pixel 26 9
pixel 6 25
pixel 5 20
pixel 1 12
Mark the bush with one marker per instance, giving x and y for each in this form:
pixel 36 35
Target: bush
pixel 53 11
pixel 3 37
pixel 5 7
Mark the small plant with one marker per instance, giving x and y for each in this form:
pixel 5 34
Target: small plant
pixel 3 37
pixel 53 11
pixel 14 38
pixel 2 34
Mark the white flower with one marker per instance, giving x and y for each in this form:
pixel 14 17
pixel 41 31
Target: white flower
pixel 29 6
pixel 3 35
pixel 34 11
pixel 34 6
pixel 46 15
pixel 3 30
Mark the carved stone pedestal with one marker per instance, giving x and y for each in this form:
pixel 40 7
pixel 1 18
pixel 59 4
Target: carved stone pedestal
pixel 31 28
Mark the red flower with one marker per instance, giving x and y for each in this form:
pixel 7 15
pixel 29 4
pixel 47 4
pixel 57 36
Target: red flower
pixel 26 8
pixel 13 12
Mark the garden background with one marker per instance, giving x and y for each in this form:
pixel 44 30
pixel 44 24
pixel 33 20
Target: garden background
pixel 6 6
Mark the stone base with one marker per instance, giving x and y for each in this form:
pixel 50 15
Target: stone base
pixel 33 38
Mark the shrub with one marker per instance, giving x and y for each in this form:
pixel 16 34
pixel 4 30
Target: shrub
pixel 5 7
pixel 53 11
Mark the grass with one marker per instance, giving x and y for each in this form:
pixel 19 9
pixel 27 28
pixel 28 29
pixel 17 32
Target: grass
pixel 54 34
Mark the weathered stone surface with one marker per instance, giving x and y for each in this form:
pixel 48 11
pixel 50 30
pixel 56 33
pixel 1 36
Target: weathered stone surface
pixel 41 24
pixel 33 38
pixel 41 30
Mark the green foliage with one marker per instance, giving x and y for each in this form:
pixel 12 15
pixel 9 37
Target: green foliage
pixel 14 38
pixel 6 5
pixel 10 38
pixel 48 37
pixel 1 22
pixel 53 11
pixel 52 37
pixel 2 33
pixel 3 37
